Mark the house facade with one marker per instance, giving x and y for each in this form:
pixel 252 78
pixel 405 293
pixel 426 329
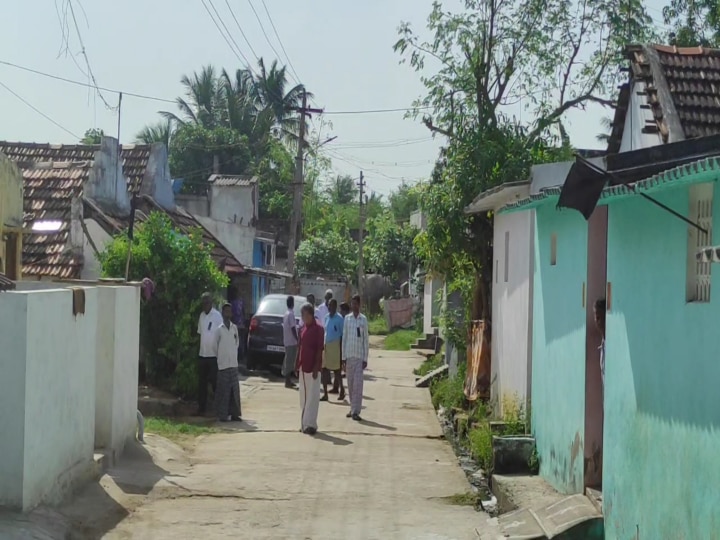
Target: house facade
pixel 644 432
pixel 77 197
pixel 11 219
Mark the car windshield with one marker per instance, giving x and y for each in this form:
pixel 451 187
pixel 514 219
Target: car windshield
pixel 277 305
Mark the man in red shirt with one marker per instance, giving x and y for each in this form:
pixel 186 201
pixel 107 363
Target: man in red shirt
pixel 308 366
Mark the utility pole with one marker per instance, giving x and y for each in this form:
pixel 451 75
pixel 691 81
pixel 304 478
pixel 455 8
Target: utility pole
pixel 361 265
pixel 298 188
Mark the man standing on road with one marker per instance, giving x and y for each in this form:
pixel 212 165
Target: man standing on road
pixel 209 321
pixel 308 365
pixel 290 342
pixel 355 350
pixel 333 352
pixel 227 339
pixel 238 318
pixel 323 309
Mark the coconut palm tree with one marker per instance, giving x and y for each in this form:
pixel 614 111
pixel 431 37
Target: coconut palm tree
pixel 161 131
pixel 342 190
pixel 204 103
pixel 604 137
pixel 270 88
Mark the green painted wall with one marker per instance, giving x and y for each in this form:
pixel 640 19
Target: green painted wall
pixel 558 372
pixel 662 375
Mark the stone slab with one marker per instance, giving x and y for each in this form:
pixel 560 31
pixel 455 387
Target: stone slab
pixel 424 382
pixel 571 517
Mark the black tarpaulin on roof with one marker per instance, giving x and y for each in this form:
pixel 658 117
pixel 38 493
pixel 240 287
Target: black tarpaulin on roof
pixel 582 188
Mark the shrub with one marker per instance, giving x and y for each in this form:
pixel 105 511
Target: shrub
pixel 480 442
pixel 448 392
pixel 431 364
pixel 182 269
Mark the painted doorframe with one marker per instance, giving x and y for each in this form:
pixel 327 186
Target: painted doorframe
pixel 596 288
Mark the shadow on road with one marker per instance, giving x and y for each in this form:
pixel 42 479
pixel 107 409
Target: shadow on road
pixel 337 441
pixel 370 423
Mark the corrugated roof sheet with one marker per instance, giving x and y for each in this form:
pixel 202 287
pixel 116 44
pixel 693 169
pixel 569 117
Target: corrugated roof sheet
pixel 135 156
pixel 48 193
pixel 692 77
pixel 232 180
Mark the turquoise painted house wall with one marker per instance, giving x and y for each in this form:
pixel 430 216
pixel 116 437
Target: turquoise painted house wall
pixel 558 370
pixel 662 379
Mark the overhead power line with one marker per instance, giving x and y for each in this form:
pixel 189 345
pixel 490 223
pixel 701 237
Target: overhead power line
pixel 267 12
pixel 85 56
pixel 85 84
pixel 66 130
pixel 376 111
pixel 267 38
pixel 242 32
pixel 127 93
pixel 235 50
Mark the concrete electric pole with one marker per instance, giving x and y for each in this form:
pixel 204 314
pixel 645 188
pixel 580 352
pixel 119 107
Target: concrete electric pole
pixel 298 187
pixel 361 262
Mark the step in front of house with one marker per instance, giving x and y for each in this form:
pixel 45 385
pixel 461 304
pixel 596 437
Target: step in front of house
pixel 572 517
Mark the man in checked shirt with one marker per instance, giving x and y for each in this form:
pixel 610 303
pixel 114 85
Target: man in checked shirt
pixel 355 350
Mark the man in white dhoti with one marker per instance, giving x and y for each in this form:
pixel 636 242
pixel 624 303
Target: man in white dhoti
pixel 308 366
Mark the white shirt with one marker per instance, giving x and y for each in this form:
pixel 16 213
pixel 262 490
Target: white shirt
pixel 227 341
pixel 354 345
pixel 321 312
pixel 207 324
pixel 288 324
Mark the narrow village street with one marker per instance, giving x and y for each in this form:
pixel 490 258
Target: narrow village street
pixel 386 478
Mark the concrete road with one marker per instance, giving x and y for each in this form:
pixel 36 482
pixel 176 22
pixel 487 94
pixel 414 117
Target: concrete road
pixel 385 478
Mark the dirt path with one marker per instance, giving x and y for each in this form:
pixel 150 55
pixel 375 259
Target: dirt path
pixel 386 478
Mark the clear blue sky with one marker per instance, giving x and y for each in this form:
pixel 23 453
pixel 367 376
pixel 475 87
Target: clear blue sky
pixel 341 50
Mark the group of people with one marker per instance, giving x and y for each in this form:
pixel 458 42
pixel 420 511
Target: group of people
pixel 319 349
pixel 220 341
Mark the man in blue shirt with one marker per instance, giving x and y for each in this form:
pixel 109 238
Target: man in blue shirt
pixel 333 351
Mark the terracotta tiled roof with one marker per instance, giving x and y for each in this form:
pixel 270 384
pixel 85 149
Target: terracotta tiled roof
pixel 682 91
pixel 135 156
pixel 184 222
pixel 48 192
pixel 6 284
pixel 232 180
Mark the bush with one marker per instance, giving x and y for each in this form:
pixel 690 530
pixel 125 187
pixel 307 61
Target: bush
pixel 480 442
pixel 448 392
pixel 328 253
pixel 431 364
pixel 377 326
pixel 182 269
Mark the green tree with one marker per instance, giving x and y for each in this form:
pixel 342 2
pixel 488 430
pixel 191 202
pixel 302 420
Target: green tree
pixel 196 150
pixel 275 172
pixel 552 56
pixel 160 132
pixel 342 190
pixel 405 200
pixel 182 269
pixel 271 92
pixel 693 22
pixel 204 101
pixel 389 247
pixel 93 136
pixel 329 253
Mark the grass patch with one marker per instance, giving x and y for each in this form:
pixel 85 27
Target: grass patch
pixel 431 364
pixel 400 340
pixel 176 430
pixel 448 392
pixel 463 499
pixel 377 326
pixel 480 442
